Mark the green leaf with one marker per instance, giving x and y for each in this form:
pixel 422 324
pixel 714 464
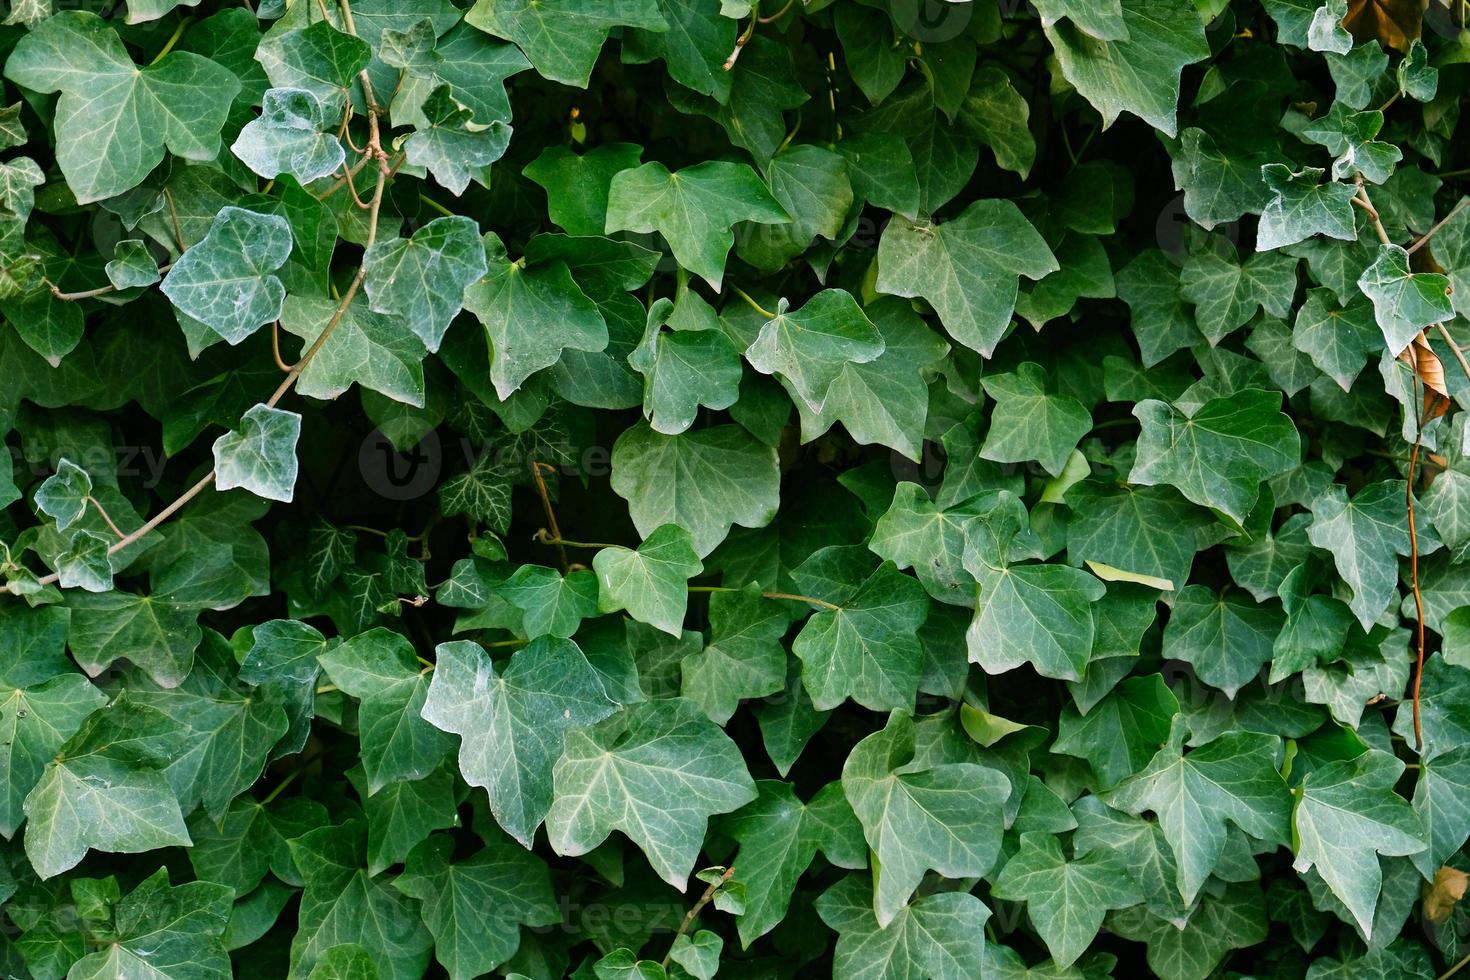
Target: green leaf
pixel 422 279
pixel 132 265
pixel 1143 530
pixel 1120 734
pixel 251 841
pixel 453 146
pixel 1301 207
pixel 1217 455
pixel 287 138
pixel 114 120
pixel 1028 423
pixel 151 631
pixel 1225 636
pixel 744 657
pixel 810 348
pixel 164 931
pixel 380 670
pixel 63 495
pixel 915 533
pixel 377 352
pixel 475 907
pixel 318 58
pixel 530 314
pixel 694 209
pixel 703 481
pixel 779 837
pixel 657 771
pixel 260 455
pixel 682 370
pixel 554 605
pixel 968 268
pixel 919 817
pixel 867 648
pixel 343 905
pixel 462 68
pixel 1233 778
pixel 562 37
pixel 940 935
pixel 1404 302
pixel 1338 337
pixel 652 582
pixel 577 185
pixel 1346 815
pixel 1234 919
pixel 1138 70
pixel 512 722
pixel 1365 536
pixel 103 791
pixel 1066 900
pixel 227 281
pixel 1227 293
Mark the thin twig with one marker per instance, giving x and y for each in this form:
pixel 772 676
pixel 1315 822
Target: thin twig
pixel 693 913
pixel 106 518
pixel 745 36
pixel 173 213
pixel 1455 349
pixel 753 304
pixel 1414 549
pixel 550 511
pixel 1438 225
pixel 1463 961
pixel 777 15
pixel 544 537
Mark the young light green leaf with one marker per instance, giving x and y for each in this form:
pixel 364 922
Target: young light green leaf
pixel 554 605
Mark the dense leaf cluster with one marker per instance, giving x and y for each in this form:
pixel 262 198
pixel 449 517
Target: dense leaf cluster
pixel 629 489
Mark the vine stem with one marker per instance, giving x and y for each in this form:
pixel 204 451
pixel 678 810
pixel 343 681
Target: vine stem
pixel 753 304
pixel 94 293
pixel 788 596
pixel 1424 238
pixel 106 518
pixel 693 913
pixel 1464 961
pixel 375 148
pixel 556 538
pixel 543 537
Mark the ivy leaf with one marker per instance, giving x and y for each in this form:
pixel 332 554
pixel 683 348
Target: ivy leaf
pixel 867 648
pixel 453 147
pixel 1120 734
pixel 343 905
pixel 1147 531
pixel 63 495
pixel 916 817
pixel 650 583
pixel 422 279
pixel 1066 900
pixel 779 837
pixel 151 631
pixel 530 314
pixel 475 907
pixel 1365 536
pixel 1440 801
pixel 1339 338
pixel 916 533
pixel 577 185
pixel 1139 71
pixel 380 670
pixel 1227 293
pixel 1234 778
pixel 1301 207
pixel 318 58
pixel 261 454
pixel 694 209
pixel 227 281
pixel 512 723
pixel 251 841
pixel 808 349
pixel 562 37
pixel 657 771
pixel 744 657
pixel 165 931
pixel 554 605
pixel 968 268
pixel 940 935
pixel 1029 423
pixel 1346 815
pixel 703 481
pixel 1225 636
pixel 132 266
pixel 103 791
pixel 287 138
pixel 1233 919
pixel 1404 301
pixel 883 401
pixel 114 119
pixel 378 352
pixel 42 702
pixel 1217 455
pixel 683 369
pixel 462 68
